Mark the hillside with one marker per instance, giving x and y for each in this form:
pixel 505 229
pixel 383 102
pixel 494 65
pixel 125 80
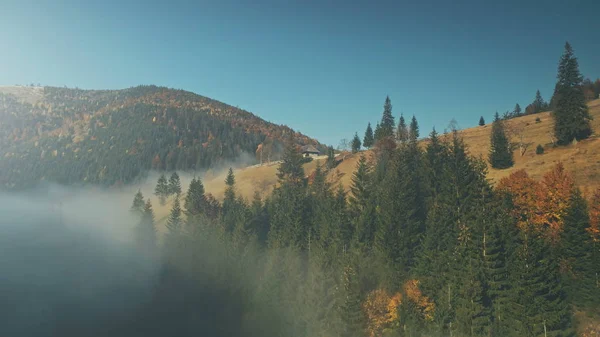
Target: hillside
pixel 109 137
pixel 582 159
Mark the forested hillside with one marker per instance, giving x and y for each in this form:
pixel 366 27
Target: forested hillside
pixel 421 245
pixel 112 137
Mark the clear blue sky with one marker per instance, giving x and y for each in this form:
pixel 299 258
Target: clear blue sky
pixel 321 67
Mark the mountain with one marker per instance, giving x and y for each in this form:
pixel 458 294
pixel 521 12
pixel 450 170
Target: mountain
pixel 111 137
pixel 581 159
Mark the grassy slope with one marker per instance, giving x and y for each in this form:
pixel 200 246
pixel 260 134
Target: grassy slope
pixel 582 159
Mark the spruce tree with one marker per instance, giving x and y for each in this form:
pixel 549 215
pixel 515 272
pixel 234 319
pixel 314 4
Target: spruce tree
pixel 368 140
pixel 377 134
pixel 330 157
pixel 360 203
pixel 577 253
pixel 571 115
pixel 501 155
pixel 291 169
pixel 162 189
pixel 356 143
pixel 230 206
pixel 174 187
pixel 138 204
pixel 174 225
pixel 538 103
pixel 481 121
pixel 195 201
pixel 387 120
pixel 517 110
pixel 402 132
pixel 145 231
pixel 413 132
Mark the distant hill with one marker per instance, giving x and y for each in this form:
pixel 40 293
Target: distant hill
pixel 110 137
pixel 581 159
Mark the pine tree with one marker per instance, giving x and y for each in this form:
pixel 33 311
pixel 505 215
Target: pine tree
pixel 538 103
pixel 402 132
pixel 571 115
pixel 145 231
pixel 330 157
pixel 259 223
pixel 351 310
pixel 174 187
pixel 501 155
pixel 356 143
pixel 481 121
pixel 368 140
pixel 413 132
pixel 138 204
pixel 195 200
pixel 517 110
pixel 540 296
pixel 377 134
pixel 360 203
pixel 291 169
pixel 230 207
pixel 162 189
pixel 577 253
pixel 387 120
pixel 174 225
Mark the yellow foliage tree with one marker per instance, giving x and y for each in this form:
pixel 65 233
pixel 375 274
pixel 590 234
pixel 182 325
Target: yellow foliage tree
pixel 381 310
pixel 423 303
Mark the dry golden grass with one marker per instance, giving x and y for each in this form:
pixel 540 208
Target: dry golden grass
pixel 581 159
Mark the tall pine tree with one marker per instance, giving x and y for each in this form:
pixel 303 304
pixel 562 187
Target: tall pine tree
pixel 402 131
pixel 162 189
pixel 571 115
pixel 387 120
pixel 369 139
pixel 174 186
pixel 501 155
pixel 356 144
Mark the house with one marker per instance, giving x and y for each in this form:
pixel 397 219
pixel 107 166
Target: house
pixel 309 151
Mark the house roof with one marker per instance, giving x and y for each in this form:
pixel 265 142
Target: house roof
pixel 309 149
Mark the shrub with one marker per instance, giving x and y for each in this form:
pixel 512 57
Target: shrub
pixel 539 149
pixel 538 120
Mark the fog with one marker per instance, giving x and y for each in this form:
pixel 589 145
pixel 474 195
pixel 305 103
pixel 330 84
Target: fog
pixel 69 266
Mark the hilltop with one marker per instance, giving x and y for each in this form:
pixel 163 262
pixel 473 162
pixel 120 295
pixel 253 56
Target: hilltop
pixel 113 137
pixel 581 159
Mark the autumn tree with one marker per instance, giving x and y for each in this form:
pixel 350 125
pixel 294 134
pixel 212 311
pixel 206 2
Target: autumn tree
pixel 381 310
pixel 501 155
pixel 571 115
pixel 369 139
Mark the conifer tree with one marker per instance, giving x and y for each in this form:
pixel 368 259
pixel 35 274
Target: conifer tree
pixel 577 253
pixel 413 132
pixel 291 170
pixel 138 204
pixel 402 132
pixel 174 187
pixel 377 134
pixel 481 121
pixel 368 140
pixel 538 103
pixel 174 225
pixel 330 157
pixel 351 310
pixel 501 155
pixel 162 189
pixel 387 120
pixel 517 110
pixel 356 143
pixel 230 206
pixel 145 231
pixel 571 115
pixel 195 200
pixel 360 203
pixel 259 223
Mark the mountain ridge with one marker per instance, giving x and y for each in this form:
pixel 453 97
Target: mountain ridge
pixel 155 127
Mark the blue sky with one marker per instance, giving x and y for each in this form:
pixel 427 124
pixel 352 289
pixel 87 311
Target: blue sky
pixel 321 67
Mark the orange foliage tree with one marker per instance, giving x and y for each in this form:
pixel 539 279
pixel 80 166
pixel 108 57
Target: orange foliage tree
pixel 425 306
pixel 542 204
pixel 381 311
pixel 523 190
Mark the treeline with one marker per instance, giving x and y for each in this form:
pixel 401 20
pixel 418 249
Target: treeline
pixel 112 137
pixel 421 245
